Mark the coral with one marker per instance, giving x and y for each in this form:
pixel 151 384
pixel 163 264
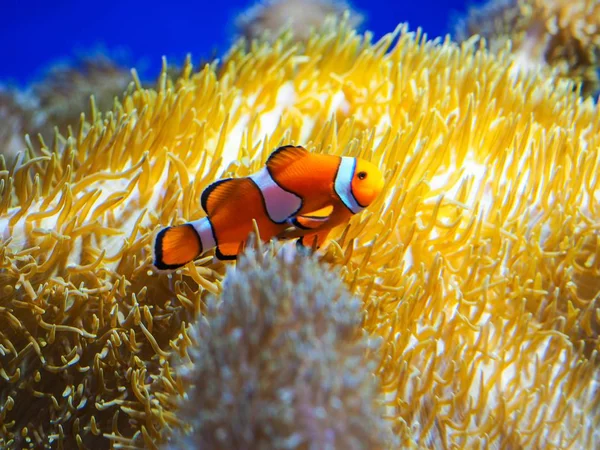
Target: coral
pixel 478 266
pixel 65 93
pixel 280 361
pixel 271 17
pixel 12 124
pixel 58 100
pixel 563 35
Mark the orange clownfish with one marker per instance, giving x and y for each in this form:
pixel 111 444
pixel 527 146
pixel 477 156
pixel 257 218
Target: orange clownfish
pixel 297 194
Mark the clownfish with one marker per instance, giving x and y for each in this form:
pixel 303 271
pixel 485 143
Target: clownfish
pixel 296 194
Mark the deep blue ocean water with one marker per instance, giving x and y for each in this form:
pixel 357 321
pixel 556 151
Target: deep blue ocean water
pixel 36 34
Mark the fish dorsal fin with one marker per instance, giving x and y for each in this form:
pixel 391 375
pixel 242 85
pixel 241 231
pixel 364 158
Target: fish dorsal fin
pixel 284 156
pixel 222 191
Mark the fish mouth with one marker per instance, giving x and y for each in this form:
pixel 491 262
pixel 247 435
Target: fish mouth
pixel 367 197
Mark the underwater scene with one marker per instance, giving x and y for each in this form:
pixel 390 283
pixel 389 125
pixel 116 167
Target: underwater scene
pixel 300 224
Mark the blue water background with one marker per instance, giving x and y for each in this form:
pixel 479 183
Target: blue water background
pixel 36 34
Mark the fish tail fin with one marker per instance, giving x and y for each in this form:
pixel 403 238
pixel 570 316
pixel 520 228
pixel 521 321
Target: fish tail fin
pixel 175 246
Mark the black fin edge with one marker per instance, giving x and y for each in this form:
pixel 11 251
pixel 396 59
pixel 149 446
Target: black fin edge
pixel 221 257
pixel 158 253
pixel 281 149
pixel 207 191
pixel 299 225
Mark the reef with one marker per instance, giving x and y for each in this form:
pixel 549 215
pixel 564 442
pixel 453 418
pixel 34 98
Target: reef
pixel 477 269
pixel 267 19
pixel 57 101
pixel 12 126
pixel 65 92
pixel 560 35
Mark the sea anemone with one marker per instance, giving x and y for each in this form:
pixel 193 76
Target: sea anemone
pixel 268 18
pixel 562 35
pixel 280 361
pixel 477 267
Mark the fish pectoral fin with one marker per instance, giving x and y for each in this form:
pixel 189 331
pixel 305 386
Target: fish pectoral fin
pixel 322 213
pixel 307 223
pixel 312 220
pixel 299 225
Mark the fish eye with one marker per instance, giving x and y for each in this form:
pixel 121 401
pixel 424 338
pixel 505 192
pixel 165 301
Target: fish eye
pixel 362 175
